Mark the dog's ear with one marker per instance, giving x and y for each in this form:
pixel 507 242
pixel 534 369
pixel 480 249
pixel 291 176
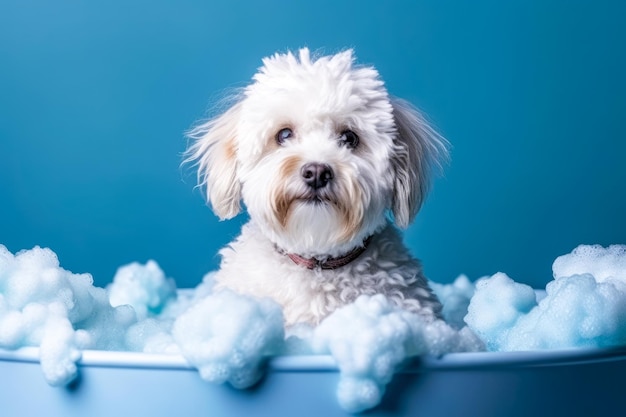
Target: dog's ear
pixel 418 149
pixel 214 152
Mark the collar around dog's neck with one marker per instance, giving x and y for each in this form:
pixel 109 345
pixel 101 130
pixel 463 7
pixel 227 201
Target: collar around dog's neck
pixel 329 263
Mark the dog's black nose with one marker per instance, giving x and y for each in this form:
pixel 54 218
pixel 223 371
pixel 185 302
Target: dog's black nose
pixel 316 175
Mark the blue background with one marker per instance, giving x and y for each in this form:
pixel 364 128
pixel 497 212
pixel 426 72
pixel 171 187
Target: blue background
pixel 95 97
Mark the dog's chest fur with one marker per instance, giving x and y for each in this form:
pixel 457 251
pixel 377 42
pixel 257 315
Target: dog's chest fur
pixel 252 265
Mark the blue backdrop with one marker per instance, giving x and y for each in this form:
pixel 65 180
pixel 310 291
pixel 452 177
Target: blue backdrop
pixel 95 97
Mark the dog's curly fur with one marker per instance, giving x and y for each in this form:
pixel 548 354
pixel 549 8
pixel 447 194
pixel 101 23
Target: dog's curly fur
pixel 375 155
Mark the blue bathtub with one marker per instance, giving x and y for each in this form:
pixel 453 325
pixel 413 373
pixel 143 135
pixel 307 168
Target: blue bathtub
pixel 580 382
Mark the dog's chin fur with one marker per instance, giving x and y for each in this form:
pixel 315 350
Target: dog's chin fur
pixel 319 230
pixel 385 175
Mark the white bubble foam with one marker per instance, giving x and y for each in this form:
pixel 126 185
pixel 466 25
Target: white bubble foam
pixel 455 298
pixel 227 336
pixel 584 306
pixel 144 287
pixel 371 338
pixel 497 305
pixel 42 304
pixel 601 263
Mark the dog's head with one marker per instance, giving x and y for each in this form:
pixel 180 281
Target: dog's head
pixel 318 152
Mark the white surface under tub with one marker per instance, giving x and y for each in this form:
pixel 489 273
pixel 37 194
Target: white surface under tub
pixel 581 382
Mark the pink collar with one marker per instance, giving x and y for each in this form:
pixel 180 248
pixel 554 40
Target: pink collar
pixel 329 263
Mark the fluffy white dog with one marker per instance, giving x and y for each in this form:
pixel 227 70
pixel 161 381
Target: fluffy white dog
pixel 325 162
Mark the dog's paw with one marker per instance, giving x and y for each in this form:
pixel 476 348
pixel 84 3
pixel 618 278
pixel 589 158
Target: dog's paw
pixel 371 338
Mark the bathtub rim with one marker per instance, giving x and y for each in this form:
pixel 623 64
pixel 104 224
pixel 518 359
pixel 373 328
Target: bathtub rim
pixel 325 363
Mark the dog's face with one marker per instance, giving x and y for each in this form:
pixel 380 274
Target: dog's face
pixel 318 153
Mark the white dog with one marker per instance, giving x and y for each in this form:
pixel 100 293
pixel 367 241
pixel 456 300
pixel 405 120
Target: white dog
pixel 324 161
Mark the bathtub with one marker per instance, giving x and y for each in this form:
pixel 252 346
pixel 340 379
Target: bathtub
pixel 578 382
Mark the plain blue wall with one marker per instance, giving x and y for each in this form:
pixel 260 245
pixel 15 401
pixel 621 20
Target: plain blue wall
pixel 95 97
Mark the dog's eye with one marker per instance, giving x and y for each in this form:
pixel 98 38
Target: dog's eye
pixel 349 139
pixel 283 135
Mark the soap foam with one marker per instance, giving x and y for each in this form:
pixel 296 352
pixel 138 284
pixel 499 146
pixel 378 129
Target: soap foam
pixel 371 338
pixel 584 306
pixel 455 299
pixel 227 336
pixel 143 287
pixel 602 263
pixel 43 305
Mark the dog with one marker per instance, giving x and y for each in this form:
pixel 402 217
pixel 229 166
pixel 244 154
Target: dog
pixel 328 166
